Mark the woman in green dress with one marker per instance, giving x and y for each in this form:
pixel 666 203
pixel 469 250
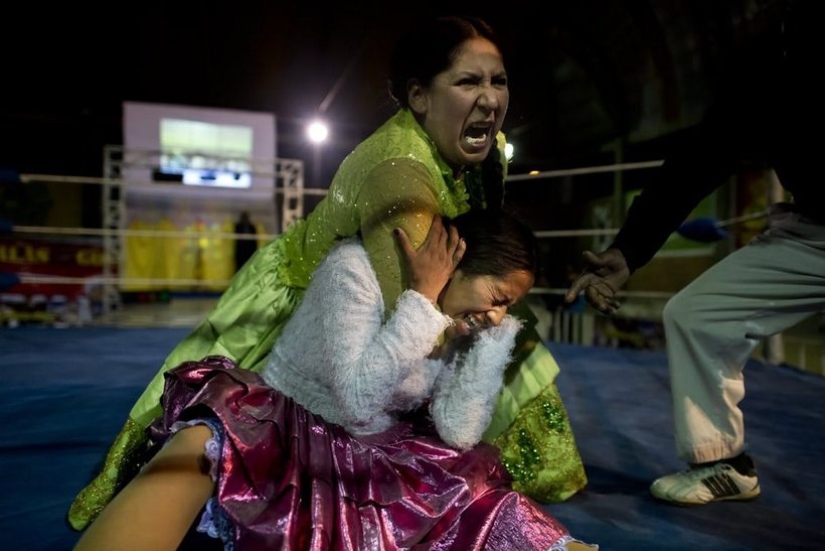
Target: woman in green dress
pixel 442 152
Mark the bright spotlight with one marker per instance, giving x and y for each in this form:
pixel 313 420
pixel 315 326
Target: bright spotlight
pixel 508 151
pixel 317 132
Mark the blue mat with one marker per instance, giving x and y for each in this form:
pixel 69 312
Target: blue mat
pixel 66 393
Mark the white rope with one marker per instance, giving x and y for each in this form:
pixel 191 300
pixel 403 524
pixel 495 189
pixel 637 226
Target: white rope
pixel 141 233
pixel 743 218
pixel 267 237
pixel 240 236
pixel 586 170
pixel 575 233
pixel 95 280
pixel 250 237
pixel 627 294
pixel 28 178
pixel 203 283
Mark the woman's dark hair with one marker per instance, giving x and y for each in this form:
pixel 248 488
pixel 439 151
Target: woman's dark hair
pixel 498 243
pixel 431 48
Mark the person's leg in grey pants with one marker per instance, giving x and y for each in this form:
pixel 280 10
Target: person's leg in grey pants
pixel 713 325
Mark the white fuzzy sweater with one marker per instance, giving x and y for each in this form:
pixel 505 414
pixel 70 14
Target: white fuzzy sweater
pixel 340 358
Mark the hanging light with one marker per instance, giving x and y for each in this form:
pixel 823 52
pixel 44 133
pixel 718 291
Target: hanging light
pixel 317 132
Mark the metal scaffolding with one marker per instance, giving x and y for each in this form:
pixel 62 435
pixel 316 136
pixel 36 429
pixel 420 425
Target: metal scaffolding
pixel 288 177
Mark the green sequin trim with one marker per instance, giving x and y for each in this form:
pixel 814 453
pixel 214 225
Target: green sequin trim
pixel 121 464
pixel 539 450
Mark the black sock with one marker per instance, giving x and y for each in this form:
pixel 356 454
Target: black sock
pixel 743 464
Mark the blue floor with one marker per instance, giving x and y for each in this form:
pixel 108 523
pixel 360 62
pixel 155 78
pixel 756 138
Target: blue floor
pixel 66 392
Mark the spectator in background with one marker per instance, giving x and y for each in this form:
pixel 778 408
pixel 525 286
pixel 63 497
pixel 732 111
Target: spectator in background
pixel 244 247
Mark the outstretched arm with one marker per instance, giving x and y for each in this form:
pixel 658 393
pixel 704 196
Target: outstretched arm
pixel 603 276
pixel 706 156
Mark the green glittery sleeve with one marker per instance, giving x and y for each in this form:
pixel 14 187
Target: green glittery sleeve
pixel 397 194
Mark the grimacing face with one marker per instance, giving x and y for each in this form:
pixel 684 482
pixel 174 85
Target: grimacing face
pixel 464 107
pixel 480 301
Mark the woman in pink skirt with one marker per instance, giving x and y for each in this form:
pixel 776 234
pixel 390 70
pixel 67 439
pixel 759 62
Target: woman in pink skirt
pixel 363 430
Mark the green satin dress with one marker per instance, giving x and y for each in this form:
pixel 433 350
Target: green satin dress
pixel 394 178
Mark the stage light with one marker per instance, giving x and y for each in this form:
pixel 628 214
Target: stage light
pixel 317 132
pixel 508 151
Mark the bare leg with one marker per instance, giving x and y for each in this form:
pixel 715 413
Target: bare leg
pixel 155 510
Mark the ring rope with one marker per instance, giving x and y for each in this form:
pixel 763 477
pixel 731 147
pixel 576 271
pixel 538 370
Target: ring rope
pixel 28 178
pixel 586 170
pixel 34 279
pixel 743 218
pixel 63 280
pixel 124 232
pixel 242 236
pixel 139 233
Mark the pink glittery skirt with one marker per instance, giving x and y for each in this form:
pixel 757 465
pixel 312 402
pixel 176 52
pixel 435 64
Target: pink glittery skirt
pixel 287 479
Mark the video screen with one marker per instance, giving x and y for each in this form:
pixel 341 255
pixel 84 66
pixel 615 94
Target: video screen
pixel 204 154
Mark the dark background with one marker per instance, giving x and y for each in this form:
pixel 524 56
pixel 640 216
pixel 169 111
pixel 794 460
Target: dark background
pixel 583 74
pixel 593 82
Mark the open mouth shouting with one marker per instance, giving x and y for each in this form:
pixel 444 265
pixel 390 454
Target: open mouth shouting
pixel 478 136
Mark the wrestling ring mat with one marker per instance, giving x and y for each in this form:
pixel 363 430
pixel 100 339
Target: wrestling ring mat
pixel 68 387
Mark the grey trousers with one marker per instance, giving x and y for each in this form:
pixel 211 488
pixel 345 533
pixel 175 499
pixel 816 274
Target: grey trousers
pixel 713 325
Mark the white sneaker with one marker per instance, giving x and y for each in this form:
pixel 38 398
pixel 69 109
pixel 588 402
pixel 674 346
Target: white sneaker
pixel 704 485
